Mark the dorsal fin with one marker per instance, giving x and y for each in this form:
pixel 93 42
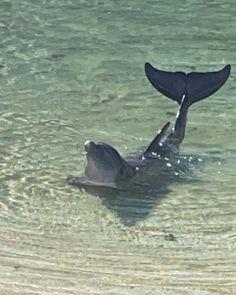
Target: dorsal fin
pixel 154 146
pixel 195 85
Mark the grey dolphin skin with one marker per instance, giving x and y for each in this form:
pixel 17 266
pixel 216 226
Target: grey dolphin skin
pixel 106 167
pixel 186 89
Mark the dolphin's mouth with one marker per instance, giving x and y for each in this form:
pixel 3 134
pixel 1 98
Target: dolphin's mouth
pixel 91 148
pixel 89 145
pixel 100 151
pixel 105 164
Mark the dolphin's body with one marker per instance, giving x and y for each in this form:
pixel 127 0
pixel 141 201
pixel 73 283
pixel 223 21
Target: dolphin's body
pixel 106 167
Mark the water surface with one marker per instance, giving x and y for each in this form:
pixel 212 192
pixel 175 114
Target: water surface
pixel 73 71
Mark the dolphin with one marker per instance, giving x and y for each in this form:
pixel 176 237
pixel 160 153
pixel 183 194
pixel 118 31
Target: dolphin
pixel 106 167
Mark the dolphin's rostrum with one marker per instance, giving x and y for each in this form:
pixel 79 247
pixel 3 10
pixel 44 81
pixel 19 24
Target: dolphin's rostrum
pixel 106 167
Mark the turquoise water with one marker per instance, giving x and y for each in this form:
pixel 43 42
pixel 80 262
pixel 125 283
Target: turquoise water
pixel 73 71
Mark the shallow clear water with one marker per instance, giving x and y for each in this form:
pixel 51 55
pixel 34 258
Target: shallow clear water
pixel 73 71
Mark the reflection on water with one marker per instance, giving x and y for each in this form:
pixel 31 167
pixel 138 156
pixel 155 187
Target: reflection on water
pixel 73 71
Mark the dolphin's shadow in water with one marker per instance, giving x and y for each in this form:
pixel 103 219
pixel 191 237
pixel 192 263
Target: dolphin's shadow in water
pixel 134 200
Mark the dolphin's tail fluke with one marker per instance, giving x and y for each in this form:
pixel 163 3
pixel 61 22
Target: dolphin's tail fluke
pixel 193 86
pixel 185 89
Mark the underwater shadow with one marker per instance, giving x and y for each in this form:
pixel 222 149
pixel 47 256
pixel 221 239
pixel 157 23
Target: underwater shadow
pixel 134 200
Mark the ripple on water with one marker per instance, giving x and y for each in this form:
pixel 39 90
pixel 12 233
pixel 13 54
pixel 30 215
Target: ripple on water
pixel 74 71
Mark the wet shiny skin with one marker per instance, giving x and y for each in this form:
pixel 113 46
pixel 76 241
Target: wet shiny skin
pixel 105 164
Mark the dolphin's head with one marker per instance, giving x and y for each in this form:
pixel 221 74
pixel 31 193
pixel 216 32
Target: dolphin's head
pixel 105 165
